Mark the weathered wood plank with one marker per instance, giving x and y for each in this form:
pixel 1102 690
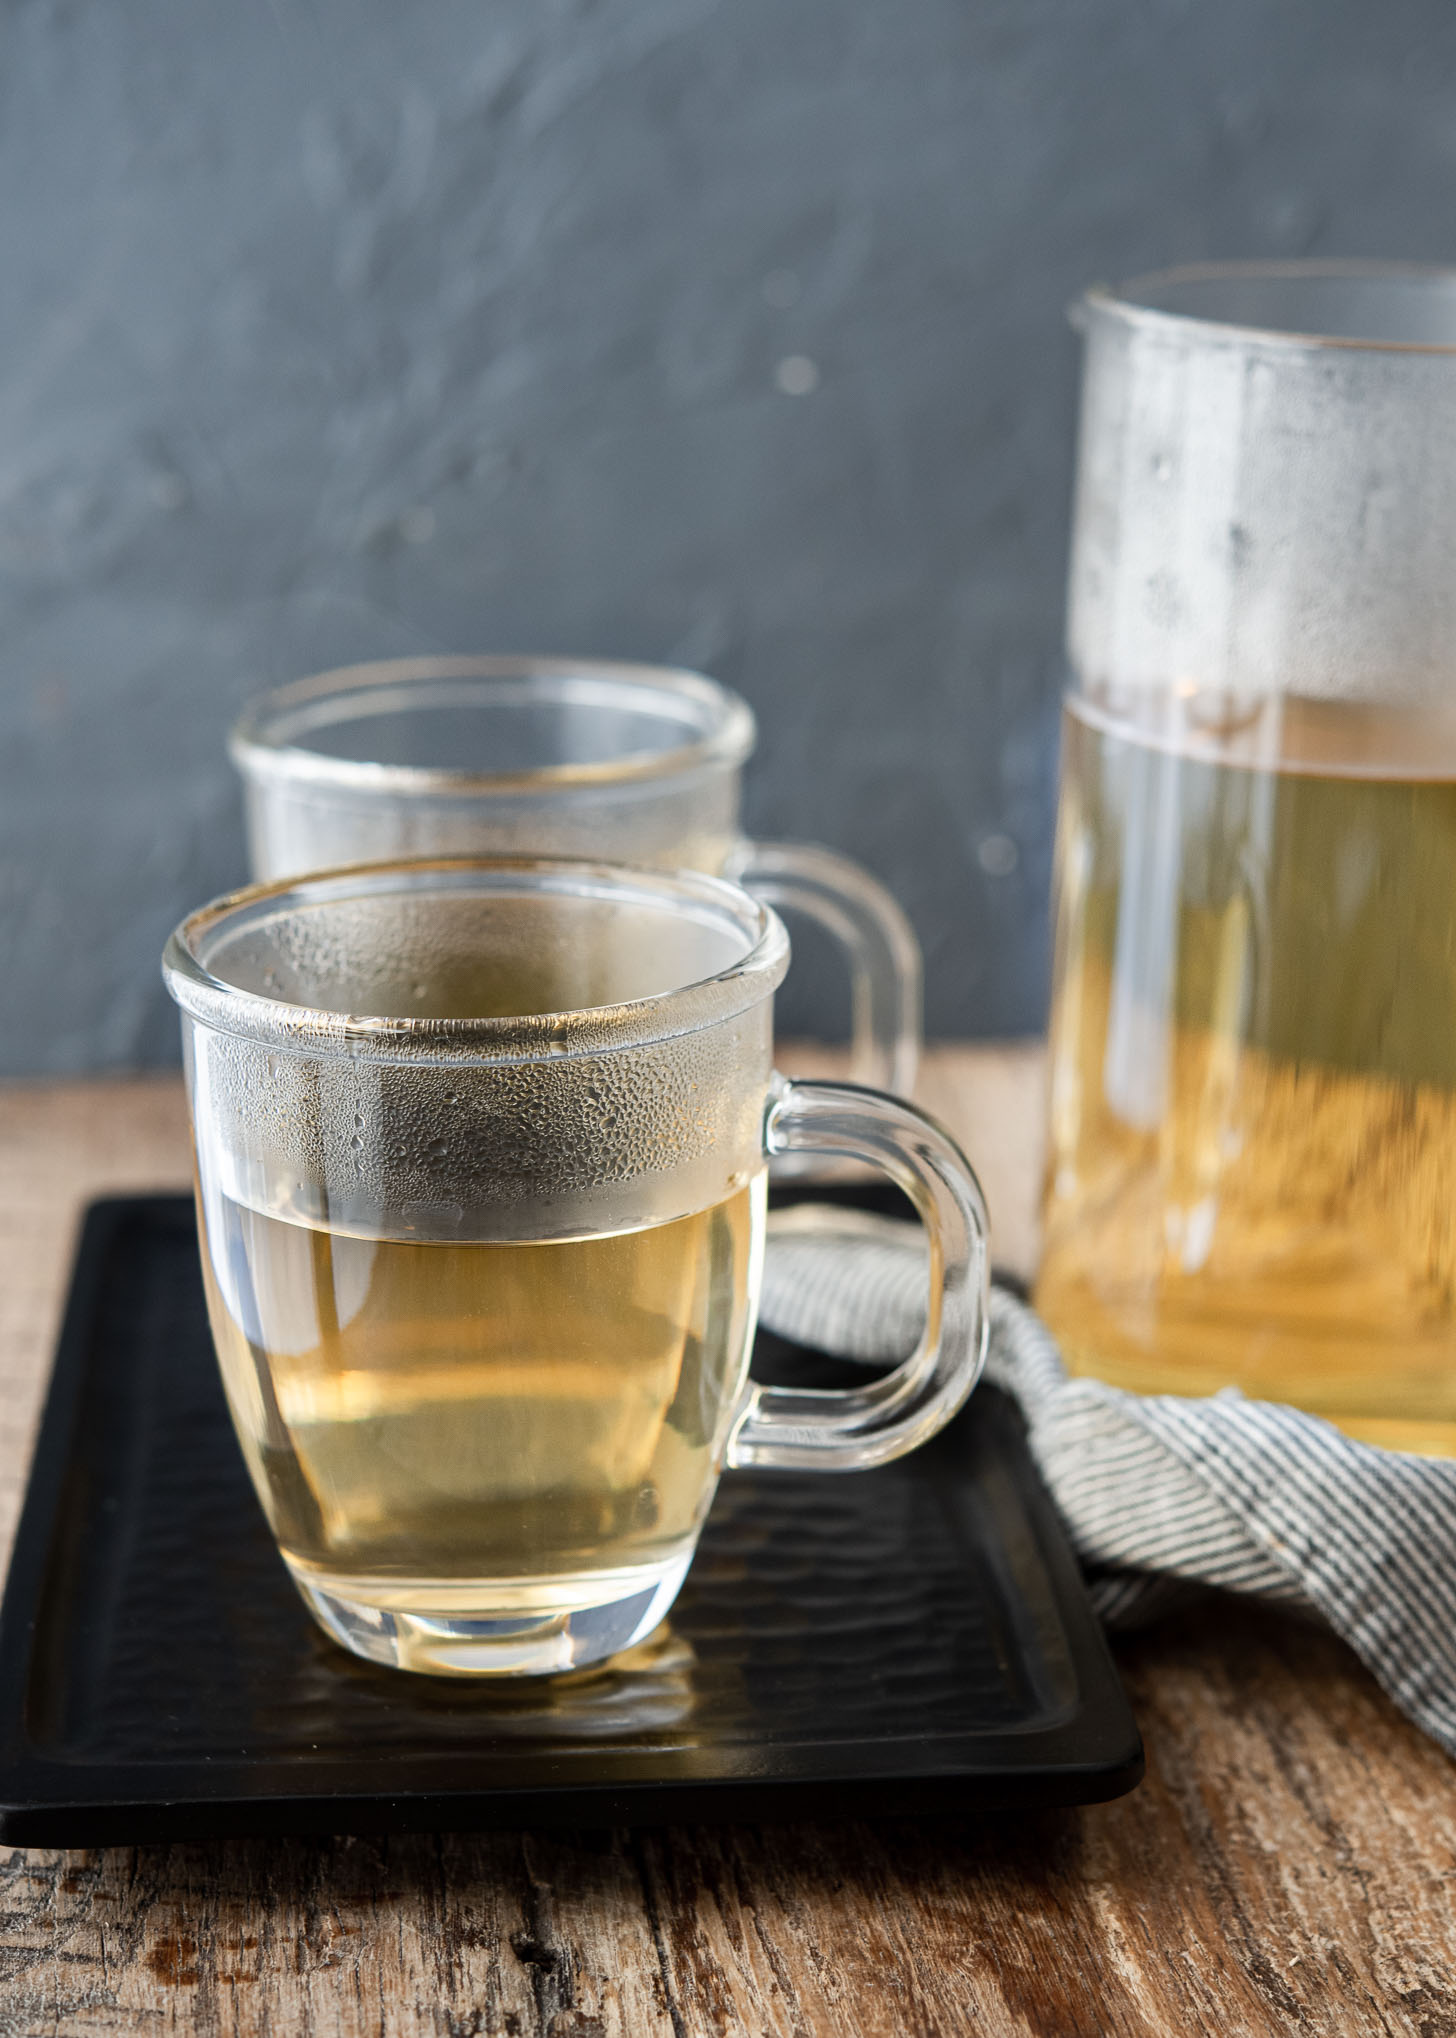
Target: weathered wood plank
pixel 456 1935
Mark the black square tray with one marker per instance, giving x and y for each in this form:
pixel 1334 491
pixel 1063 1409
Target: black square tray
pixel 900 1641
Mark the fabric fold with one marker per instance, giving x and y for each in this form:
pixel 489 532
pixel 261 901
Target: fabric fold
pixel 1163 1496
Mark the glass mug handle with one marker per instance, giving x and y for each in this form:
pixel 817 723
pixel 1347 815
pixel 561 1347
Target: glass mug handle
pixel 878 940
pixel 810 1429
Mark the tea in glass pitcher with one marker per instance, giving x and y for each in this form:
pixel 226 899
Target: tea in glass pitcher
pixel 1252 1174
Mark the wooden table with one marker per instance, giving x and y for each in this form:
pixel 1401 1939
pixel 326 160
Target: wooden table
pixel 1288 1866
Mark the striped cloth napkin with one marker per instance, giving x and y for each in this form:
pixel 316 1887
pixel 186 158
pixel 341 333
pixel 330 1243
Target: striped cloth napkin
pixel 1165 1496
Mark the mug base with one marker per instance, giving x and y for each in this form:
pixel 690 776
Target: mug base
pixel 490 1638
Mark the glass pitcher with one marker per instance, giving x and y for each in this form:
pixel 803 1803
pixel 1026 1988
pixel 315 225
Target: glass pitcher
pixel 1252 1169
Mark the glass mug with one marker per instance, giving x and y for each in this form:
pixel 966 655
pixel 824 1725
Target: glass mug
pixel 633 764
pixel 481 1156
pixel 1252 1175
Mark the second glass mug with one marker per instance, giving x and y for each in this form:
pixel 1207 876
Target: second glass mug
pixel 481 1155
pixel 635 764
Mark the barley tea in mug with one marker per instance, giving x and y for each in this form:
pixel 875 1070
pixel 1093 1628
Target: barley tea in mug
pixel 481 1151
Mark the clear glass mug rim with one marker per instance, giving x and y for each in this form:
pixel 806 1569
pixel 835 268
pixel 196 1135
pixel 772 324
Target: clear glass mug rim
pixel 260 741
pixel 1118 302
pixel 223 1007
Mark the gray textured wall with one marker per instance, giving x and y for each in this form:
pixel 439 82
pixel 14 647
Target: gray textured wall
pixel 339 328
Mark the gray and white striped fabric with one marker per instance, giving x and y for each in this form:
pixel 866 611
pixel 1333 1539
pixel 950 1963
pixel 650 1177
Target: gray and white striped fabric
pixel 1164 1496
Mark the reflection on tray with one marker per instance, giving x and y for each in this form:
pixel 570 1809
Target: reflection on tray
pixel 645 1692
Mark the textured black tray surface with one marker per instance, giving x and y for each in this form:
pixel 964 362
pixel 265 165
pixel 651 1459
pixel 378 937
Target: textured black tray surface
pixel 907 1639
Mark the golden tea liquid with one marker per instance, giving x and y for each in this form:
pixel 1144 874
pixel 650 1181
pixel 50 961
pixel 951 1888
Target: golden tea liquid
pixel 1252 1172
pixel 436 1427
